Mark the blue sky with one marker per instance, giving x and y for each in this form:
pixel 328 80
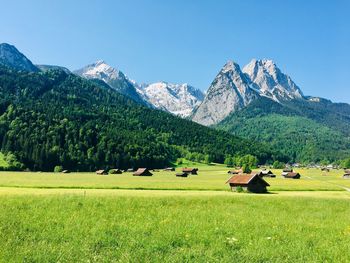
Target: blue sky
pixel 188 41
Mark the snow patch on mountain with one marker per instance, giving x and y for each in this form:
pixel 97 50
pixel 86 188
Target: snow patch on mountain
pixel 113 77
pixel 179 99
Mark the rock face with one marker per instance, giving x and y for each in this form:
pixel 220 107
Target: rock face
pixel 230 91
pixel 271 82
pixel 11 57
pixel 174 98
pixel 113 77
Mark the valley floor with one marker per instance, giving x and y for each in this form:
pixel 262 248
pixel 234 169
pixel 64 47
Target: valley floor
pixel 82 217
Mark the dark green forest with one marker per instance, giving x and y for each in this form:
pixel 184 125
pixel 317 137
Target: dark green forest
pixel 304 131
pixel 53 118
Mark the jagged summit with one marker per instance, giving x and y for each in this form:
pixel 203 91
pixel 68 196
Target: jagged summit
pixel 100 70
pixel 230 91
pixel 271 81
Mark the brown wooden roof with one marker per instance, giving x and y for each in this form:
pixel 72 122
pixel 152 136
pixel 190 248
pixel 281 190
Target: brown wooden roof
pixel 185 169
pixel 292 174
pixel 245 179
pixel 141 171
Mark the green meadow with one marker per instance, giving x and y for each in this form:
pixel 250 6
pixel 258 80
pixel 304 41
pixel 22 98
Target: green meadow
pixel 83 217
pixel 209 178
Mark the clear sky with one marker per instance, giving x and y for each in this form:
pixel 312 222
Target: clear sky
pixel 188 40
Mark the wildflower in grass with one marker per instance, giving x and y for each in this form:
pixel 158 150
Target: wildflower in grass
pixel 231 240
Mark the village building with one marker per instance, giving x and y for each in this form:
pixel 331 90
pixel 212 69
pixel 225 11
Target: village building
pixel 266 173
pixel 115 171
pixel 169 169
pixel 101 172
pixel 190 170
pixel 237 171
pixel 130 170
pixel 142 172
pixel 286 171
pixel 249 182
pixel 183 174
pixel 292 175
pixel 65 171
pixel 346 176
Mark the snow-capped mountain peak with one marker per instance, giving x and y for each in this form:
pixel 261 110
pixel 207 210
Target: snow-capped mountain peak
pixel 179 99
pixel 100 70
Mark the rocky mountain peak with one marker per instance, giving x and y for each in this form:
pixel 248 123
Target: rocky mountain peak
pixel 271 81
pixel 11 57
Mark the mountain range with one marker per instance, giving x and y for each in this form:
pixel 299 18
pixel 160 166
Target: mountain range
pixel 258 102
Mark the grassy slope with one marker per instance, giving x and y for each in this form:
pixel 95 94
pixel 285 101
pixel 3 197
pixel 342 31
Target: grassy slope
pixel 302 130
pixel 232 228
pixel 299 137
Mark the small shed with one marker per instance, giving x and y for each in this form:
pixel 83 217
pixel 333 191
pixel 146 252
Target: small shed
pixel 292 175
pixel 266 173
pixel 250 182
pixel 65 171
pixel 325 169
pixel 142 172
pixel 101 172
pixel 190 170
pixel 115 171
pixel 130 170
pixel 182 174
pixel 346 176
pixel 347 171
pixel 237 171
pixel 169 169
pixel 286 171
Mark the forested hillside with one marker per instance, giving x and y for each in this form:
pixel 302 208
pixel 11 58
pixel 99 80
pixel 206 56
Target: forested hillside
pixel 304 131
pixel 54 118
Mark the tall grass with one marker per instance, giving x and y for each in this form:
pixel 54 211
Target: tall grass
pixel 237 228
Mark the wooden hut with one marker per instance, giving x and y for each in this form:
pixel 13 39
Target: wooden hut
pixel 182 174
pixel 190 170
pixel 250 182
pixel 169 169
pixel 292 175
pixel 266 173
pixel 142 172
pixel 286 171
pixel 324 169
pixel 65 171
pixel 115 171
pixel 101 172
pixel 346 176
pixel 238 171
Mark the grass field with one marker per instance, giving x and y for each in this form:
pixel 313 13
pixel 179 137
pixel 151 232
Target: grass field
pixel 209 178
pixel 82 217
